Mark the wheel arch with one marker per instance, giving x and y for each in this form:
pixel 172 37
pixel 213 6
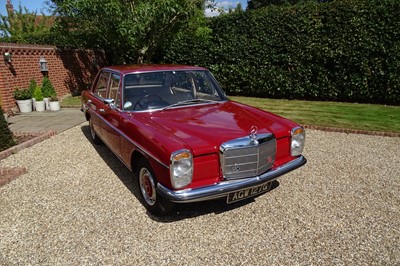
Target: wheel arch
pixel 135 157
pixel 160 170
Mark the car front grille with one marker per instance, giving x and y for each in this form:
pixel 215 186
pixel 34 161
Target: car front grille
pixel 246 157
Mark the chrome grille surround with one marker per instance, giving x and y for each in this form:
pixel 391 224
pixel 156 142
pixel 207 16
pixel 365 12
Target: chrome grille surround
pixel 244 157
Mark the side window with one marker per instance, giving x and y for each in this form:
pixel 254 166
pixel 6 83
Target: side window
pixel 204 84
pixel 182 81
pixel 101 86
pixel 114 89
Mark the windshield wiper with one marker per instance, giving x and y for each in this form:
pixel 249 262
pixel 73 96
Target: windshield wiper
pixel 187 102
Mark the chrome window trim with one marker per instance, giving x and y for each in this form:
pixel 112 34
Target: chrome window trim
pixel 221 92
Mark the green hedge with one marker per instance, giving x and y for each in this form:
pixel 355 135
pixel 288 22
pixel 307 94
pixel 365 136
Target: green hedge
pixel 345 50
pixel 6 136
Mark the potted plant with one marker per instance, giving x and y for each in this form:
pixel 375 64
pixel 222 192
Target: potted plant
pixel 54 103
pixel 38 95
pixel 47 90
pixel 24 100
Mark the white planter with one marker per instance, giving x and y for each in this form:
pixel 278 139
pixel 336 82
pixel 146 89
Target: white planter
pixel 40 106
pixel 55 106
pixel 47 101
pixel 25 106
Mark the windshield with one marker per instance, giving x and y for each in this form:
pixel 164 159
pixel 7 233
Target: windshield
pixel 163 89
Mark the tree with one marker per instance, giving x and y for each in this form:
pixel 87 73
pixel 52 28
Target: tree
pixel 23 26
pixel 128 30
pixel 239 8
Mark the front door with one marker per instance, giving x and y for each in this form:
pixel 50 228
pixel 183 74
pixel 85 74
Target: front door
pixel 97 105
pixel 112 115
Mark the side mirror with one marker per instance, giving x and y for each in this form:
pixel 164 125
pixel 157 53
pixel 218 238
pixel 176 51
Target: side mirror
pixel 127 105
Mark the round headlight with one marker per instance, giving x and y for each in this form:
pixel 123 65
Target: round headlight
pixel 181 168
pixel 298 141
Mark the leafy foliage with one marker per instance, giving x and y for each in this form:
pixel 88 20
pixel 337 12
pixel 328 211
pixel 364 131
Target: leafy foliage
pixel 6 137
pixel 37 94
pixel 48 88
pixel 23 26
pixel 32 86
pixel 22 94
pixel 129 31
pixel 255 4
pixel 340 51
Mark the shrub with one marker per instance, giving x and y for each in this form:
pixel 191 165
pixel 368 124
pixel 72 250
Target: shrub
pixel 340 51
pixel 6 137
pixel 47 88
pixel 22 94
pixel 32 86
pixel 37 94
pixel 54 99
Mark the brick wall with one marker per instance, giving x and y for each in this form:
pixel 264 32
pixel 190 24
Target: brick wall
pixel 70 70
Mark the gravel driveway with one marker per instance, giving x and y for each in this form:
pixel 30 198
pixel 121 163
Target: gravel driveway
pixel 77 205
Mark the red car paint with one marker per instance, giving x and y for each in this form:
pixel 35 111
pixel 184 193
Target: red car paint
pixel 156 133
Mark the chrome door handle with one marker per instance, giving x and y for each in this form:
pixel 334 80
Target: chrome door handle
pixel 102 111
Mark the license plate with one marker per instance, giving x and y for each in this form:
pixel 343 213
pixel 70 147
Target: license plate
pixel 247 192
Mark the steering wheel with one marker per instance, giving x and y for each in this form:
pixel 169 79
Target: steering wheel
pixel 143 102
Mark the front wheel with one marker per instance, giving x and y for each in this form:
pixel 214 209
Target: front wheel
pixel 147 184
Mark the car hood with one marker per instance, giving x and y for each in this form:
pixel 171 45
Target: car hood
pixel 205 127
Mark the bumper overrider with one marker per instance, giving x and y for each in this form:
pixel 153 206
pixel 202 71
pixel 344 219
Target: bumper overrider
pixel 222 189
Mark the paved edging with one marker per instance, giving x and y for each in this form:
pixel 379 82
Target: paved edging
pixel 8 174
pixel 39 136
pixel 353 131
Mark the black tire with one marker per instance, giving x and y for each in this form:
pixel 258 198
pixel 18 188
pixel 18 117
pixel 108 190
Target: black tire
pixel 96 140
pixel 147 184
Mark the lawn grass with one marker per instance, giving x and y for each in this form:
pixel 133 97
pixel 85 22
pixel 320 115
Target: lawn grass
pixel 71 101
pixel 371 117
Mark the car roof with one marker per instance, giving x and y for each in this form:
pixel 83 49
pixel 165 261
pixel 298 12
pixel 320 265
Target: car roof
pixel 126 69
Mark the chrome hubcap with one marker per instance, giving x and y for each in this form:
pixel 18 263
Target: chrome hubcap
pixel 147 186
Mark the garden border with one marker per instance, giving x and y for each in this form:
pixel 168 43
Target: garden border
pixel 8 174
pixel 353 131
pixel 38 137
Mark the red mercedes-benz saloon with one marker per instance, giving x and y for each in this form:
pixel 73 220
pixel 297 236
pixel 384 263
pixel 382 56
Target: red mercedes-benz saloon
pixel 183 139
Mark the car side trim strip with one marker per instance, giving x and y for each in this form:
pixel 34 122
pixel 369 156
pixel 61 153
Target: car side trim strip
pixel 222 189
pixel 131 141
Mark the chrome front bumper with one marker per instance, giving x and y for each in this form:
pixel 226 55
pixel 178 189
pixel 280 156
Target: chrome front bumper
pixel 222 189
